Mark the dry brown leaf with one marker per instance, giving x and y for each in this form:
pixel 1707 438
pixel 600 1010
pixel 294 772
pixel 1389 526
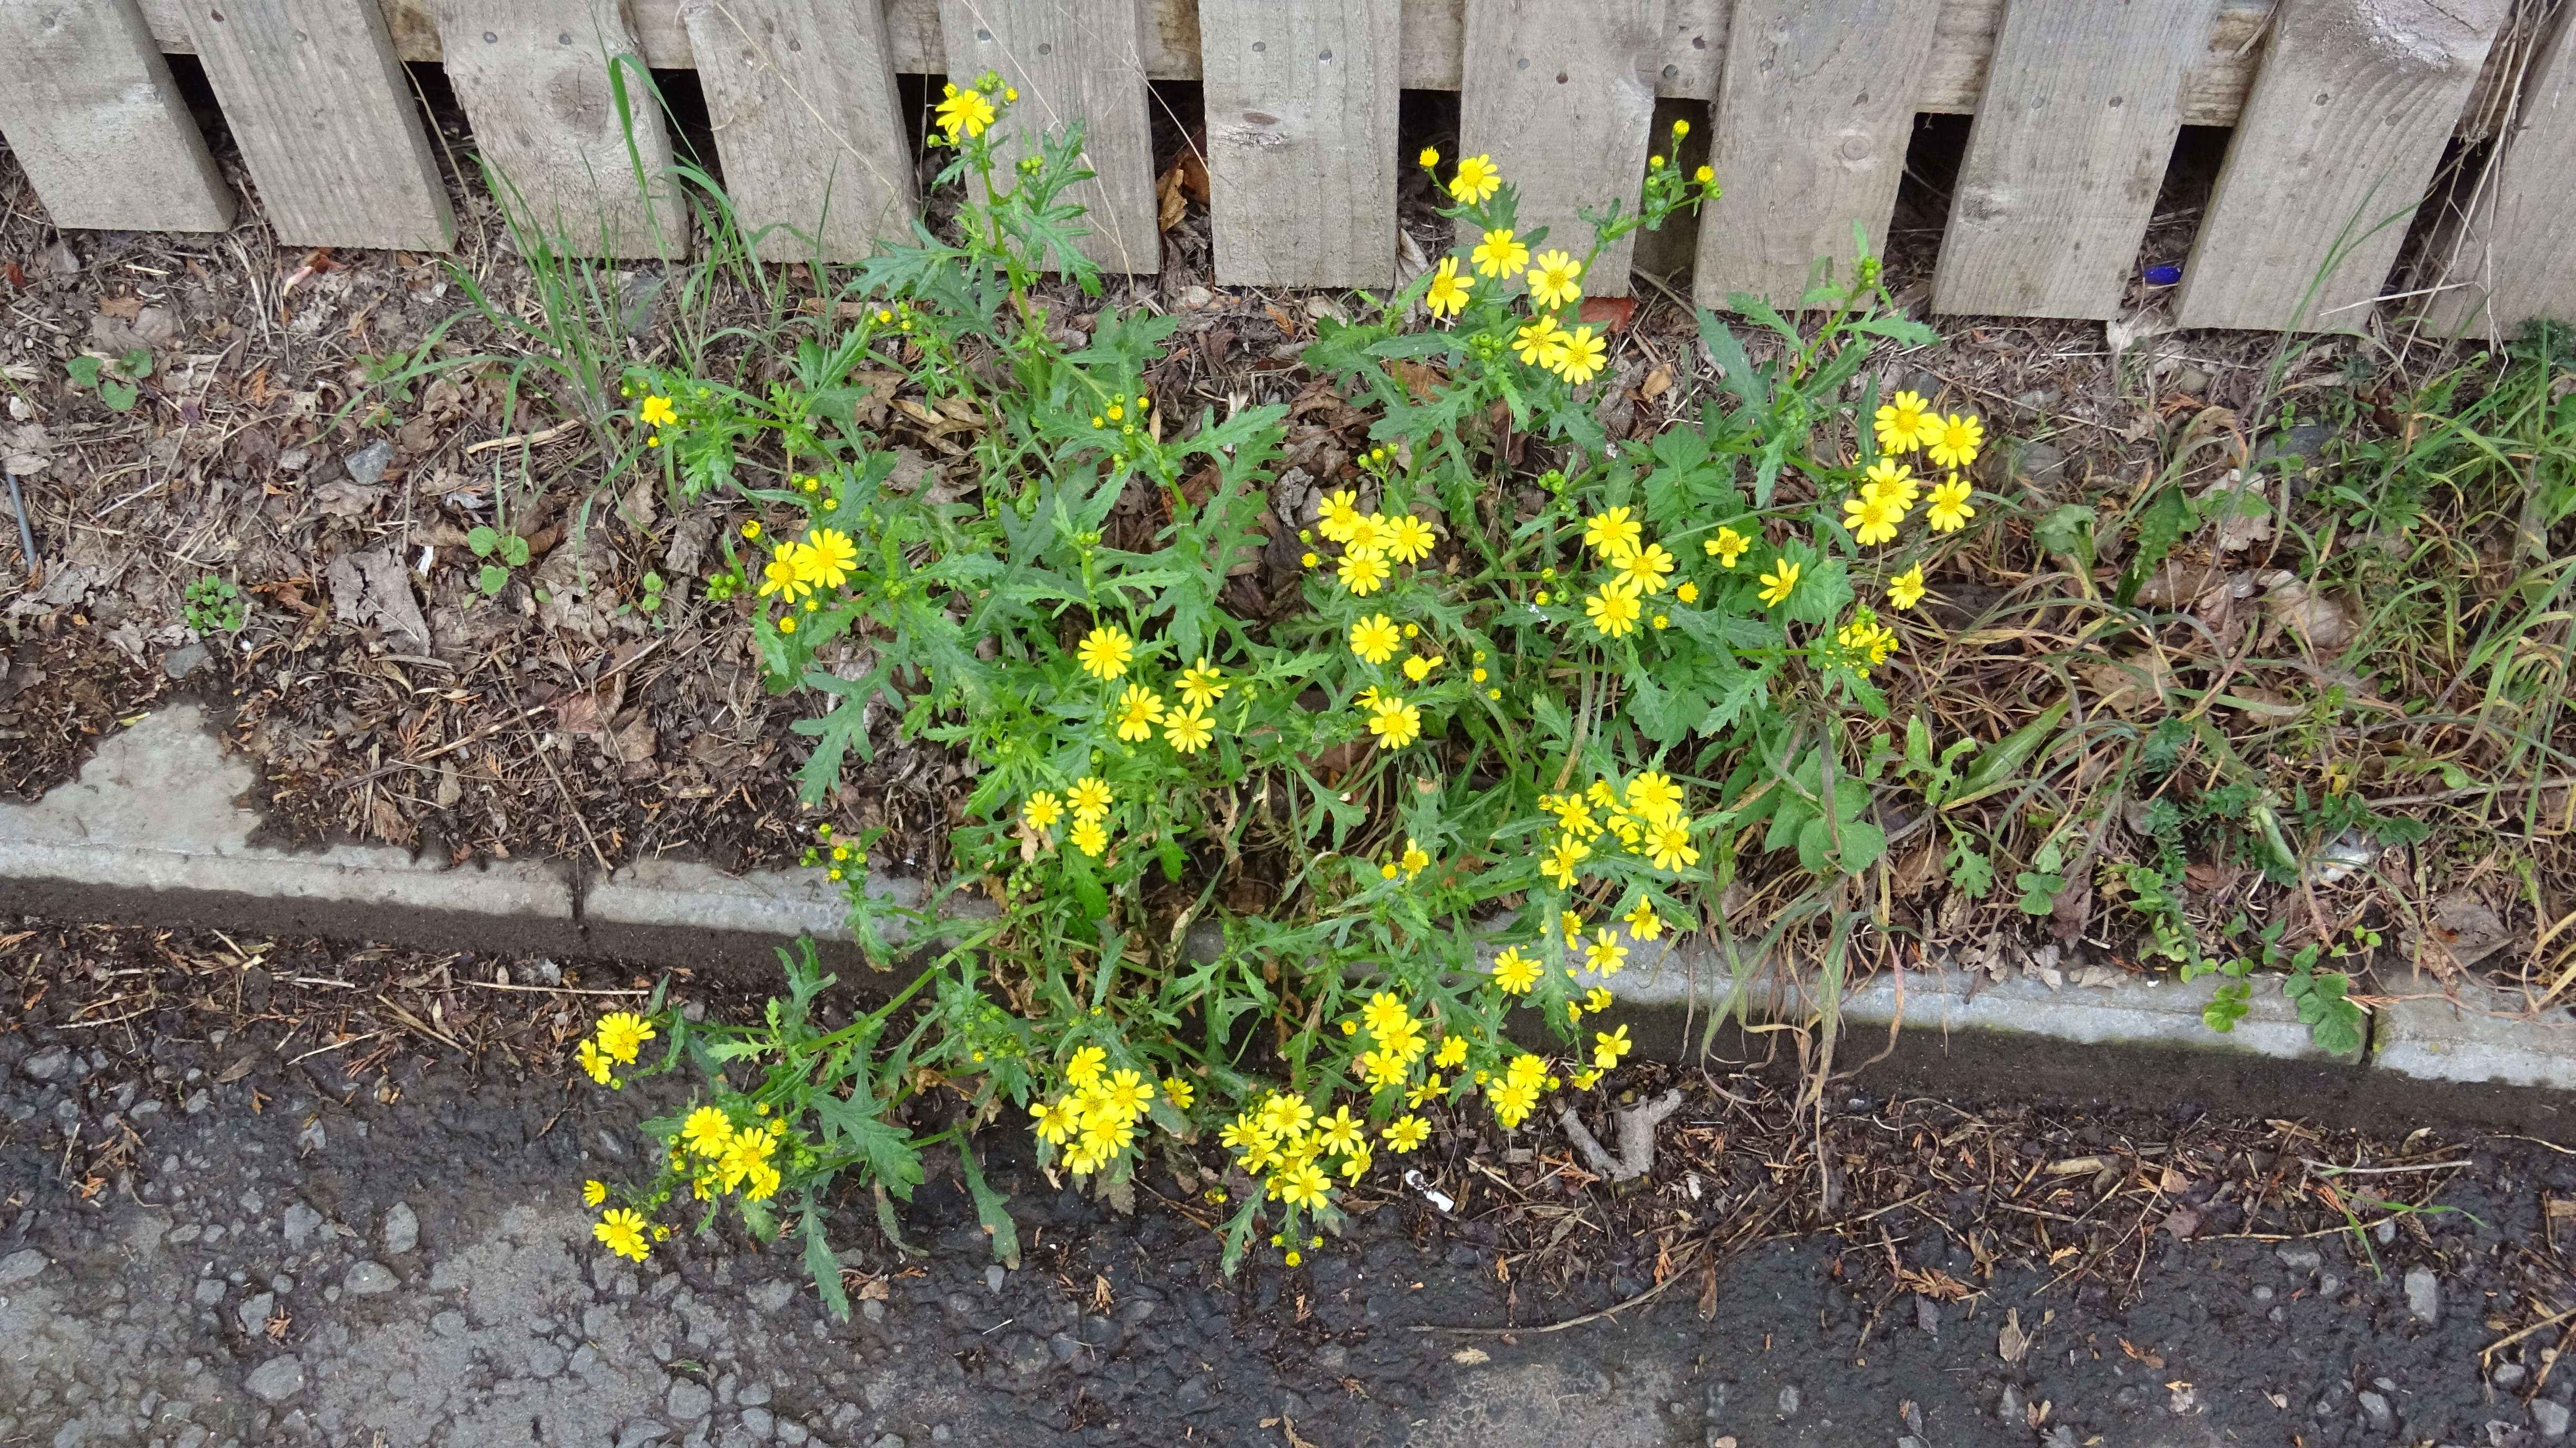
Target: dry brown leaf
pixel 2012 1344
pixel 236 1070
pixel 2141 1354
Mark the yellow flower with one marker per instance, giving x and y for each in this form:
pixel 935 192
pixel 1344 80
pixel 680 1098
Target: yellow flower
pixel 1308 559
pixel 1560 861
pixel 1104 1138
pixel 1363 573
pixel 1476 181
pixel 1127 1094
pixel 1499 255
pixel 1354 1166
pixel 1376 638
pixel 1515 973
pixel 1614 610
pixel 594 1062
pixel 965 111
pixel 1284 1116
pixel 1512 1102
pixel 1366 533
pixel 706 1131
pixel 1872 519
pixel 1644 923
pixel 1419 667
pixel 1382 1012
pixel 593 1193
pixel 1105 651
pixel 622 1232
pixel 1410 540
pixel 1396 724
pixel 1090 798
pixel 1416 859
pixel 1085 1066
pixel 1903 423
pixel 1538 342
pixel 1056 1120
pixel 1406 1132
pixel 1779 584
pixel 1906 589
pixel 1089 837
pixel 1726 547
pixel 763 1185
pixel 1448 294
pixel 657 412
pixel 1139 710
pixel 1042 810
pixel 1704 175
pixel 785 573
pixel 1553 279
pixel 827 558
pixel 1668 845
pixel 1949 511
pixel 1201 686
pixel 1605 954
pixel 1653 795
pixel 1578 356
pixel 1453 1050
pixel 1188 732
pixel 1608 1047
pixel 1431 1086
pixel 1338 515
pixel 1429 158
pixel 1612 533
pixel 1954 441
pixel 1341 1131
pixel 1179 1092
pixel 1293 1258
pixel 622 1034
pixel 1890 480
pixel 1303 1186
pixel 1381 1069
pixel 1644 569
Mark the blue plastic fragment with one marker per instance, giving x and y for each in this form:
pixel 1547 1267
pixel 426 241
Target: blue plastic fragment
pixel 2163 276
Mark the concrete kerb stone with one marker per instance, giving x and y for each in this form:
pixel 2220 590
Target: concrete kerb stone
pixel 151 832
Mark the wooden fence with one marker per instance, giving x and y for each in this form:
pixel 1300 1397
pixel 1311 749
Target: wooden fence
pixel 2342 110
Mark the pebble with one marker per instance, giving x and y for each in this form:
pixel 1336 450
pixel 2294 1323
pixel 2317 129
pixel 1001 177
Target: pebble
pixel 994 1278
pixel 184 660
pixel 2375 1409
pixel 872 1310
pixel 2424 1295
pixel 2508 1376
pixel 197 1102
pixel 367 465
pixel 773 1296
pixel 2549 1417
pixel 276 1380
pixel 640 1432
pixel 402 1229
pixel 299 1223
pixel 758 1422
pixel 2328 1285
pixel 367 1279
pixel 254 1313
pixel 2304 1259
pixel 690 1401
pixel 1789 1402
pixel 21 1265
pixel 48 1063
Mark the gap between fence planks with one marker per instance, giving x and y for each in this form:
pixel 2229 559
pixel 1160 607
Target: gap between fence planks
pixel 326 122
pixel 2507 262
pixel 2339 141
pixel 1073 62
pixel 1564 101
pixel 801 97
pixel 535 79
pixel 87 105
pixel 1301 144
pixel 1809 136
pixel 1694 45
pixel 2065 157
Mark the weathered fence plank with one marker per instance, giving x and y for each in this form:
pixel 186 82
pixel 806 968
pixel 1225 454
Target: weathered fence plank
pixel 326 121
pixel 2341 135
pixel 801 95
pixel 2064 159
pixel 1072 62
pixel 1809 134
pixel 87 105
pixel 534 77
pixel 1564 101
pixel 2507 262
pixel 1301 149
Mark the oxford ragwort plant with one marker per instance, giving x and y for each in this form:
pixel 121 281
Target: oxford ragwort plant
pixel 1491 750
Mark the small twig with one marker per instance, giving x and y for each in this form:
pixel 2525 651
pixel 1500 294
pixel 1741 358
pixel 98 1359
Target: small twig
pixel 1636 1138
pixel 1610 1312
pixel 532 439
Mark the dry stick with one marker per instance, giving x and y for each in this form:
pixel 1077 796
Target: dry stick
pixel 1610 1312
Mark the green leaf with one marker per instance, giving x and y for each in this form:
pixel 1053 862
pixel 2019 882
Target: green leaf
pixel 136 364
pixel 1739 376
pixel 2068 531
pixel 494 578
pixel 84 371
pixel 481 541
pixel 819 1261
pixel 2038 891
pixel 1999 767
pixel 860 1123
pixel 2226 1007
pixel 989 1209
pixel 119 396
pixel 514 550
pixel 1970 870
